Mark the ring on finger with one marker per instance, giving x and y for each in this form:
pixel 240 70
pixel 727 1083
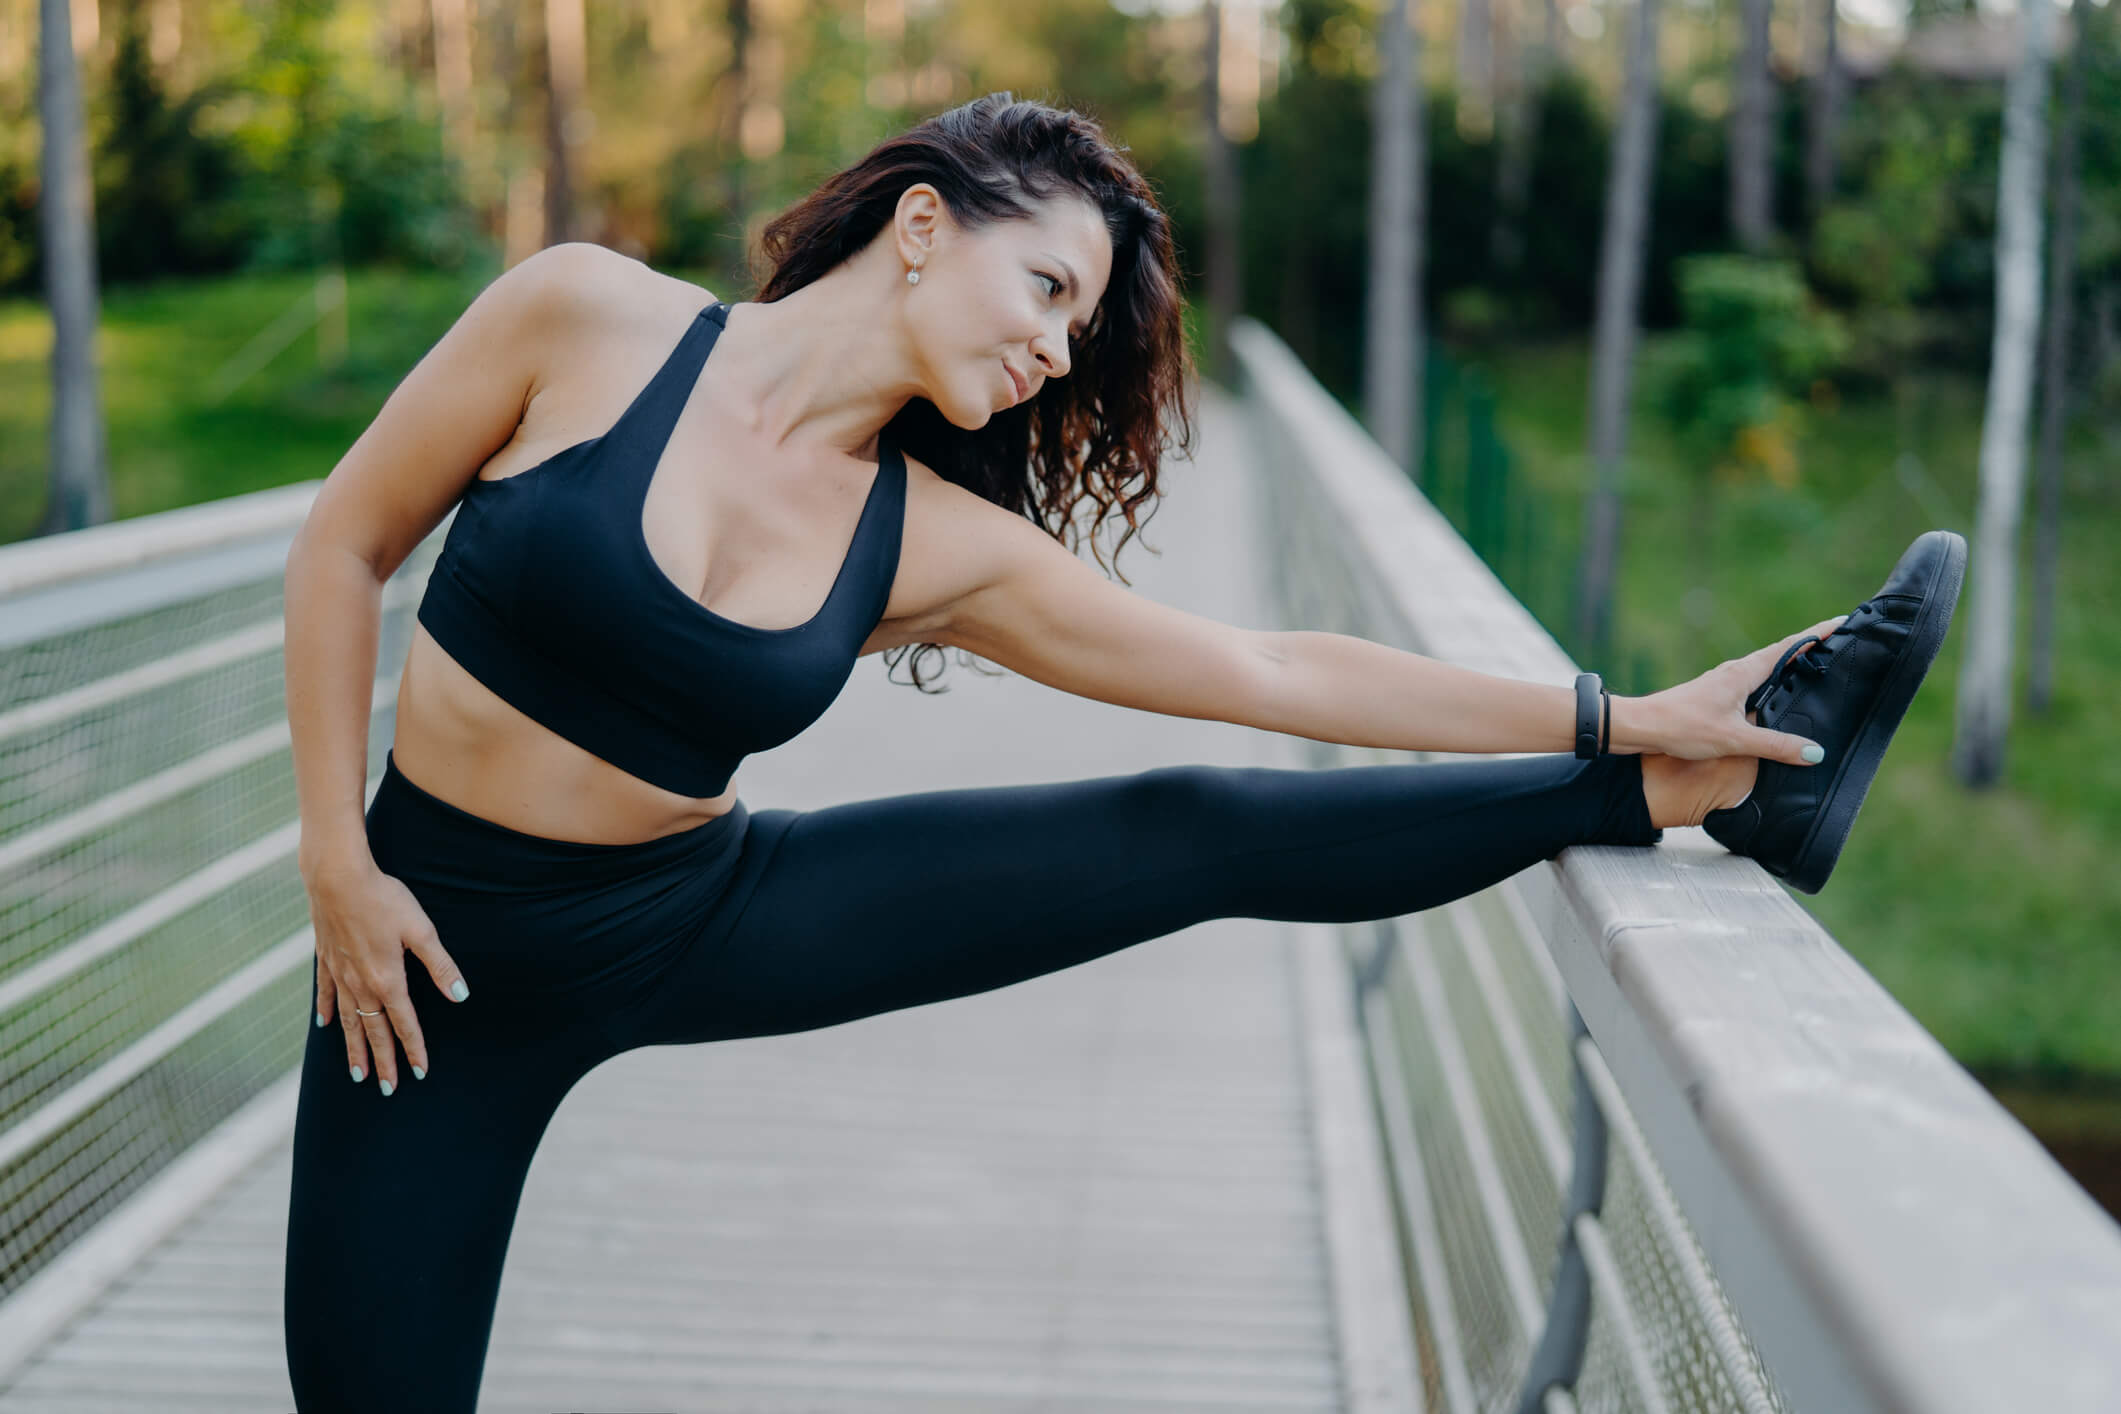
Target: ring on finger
pixel 359 1012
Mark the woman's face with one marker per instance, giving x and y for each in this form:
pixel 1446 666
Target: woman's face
pixel 1008 296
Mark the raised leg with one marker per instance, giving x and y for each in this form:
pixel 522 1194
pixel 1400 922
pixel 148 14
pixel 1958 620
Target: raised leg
pixel 877 905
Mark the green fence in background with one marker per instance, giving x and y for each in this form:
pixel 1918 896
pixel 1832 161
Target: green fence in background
pixel 1469 473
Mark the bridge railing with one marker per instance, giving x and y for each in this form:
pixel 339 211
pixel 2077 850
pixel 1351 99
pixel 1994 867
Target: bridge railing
pixel 1744 1179
pixel 155 948
pixel 1657 1142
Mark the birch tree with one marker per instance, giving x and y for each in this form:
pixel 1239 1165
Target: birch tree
pixel 79 476
pixel 2054 368
pixel 1752 129
pixel 1823 113
pixel 451 22
pixel 1519 134
pixel 1985 674
pixel 1224 279
pixel 733 97
pixel 565 76
pixel 1476 68
pixel 1620 262
pixel 1392 334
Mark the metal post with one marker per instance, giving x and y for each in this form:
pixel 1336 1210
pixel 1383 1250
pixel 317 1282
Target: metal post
pixel 1559 1358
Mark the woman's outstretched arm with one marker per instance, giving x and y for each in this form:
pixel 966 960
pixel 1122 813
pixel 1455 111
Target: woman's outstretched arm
pixel 1022 600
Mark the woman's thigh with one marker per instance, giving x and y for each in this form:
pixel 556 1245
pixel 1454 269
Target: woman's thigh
pixel 401 1207
pixel 882 904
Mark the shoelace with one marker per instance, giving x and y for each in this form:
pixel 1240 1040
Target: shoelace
pixel 1815 662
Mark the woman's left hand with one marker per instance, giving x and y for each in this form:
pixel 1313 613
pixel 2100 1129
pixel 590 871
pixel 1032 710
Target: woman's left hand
pixel 1706 718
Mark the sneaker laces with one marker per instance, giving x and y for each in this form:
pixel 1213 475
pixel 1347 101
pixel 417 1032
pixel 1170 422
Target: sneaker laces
pixel 1795 659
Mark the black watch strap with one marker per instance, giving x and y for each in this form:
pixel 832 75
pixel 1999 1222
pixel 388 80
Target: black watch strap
pixel 1590 691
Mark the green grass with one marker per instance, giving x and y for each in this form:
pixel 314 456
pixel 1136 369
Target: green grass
pixel 1994 916
pixel 159 348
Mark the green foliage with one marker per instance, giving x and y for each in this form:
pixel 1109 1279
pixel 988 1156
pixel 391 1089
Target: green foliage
pixel 1555 283
pixel 1990 915
pixel 293 155
pixel 1920 205
pixel 1689 203
pixel 342 175
pixel 387 193
pixel 168 191
pixel 19 261
pixel 1306 182
pixel 1730 380
pixel 697 225
pixel 1903 252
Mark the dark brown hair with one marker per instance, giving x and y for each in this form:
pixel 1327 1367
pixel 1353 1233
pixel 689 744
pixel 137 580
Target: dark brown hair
pixel 1097 434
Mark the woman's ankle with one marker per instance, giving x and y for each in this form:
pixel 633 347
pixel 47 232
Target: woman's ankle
pixel 1682 792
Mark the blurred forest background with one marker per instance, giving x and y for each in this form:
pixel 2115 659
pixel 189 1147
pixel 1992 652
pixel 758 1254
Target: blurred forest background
pixel 288 202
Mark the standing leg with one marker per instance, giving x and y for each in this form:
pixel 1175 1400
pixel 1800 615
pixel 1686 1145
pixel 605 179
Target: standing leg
pixel 401 1207
pixel 877 905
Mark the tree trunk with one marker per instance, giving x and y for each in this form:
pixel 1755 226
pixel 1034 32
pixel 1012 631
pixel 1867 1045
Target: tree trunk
pixel 1753 132
pixel 736 93
pixel 518 62
pixel 1985 676
pixel 79 478
pixel 1823 131
pixel 1392 346
pixel 1620 260
pixel 1476 69
pixel 1520 143
pixel 565 77
pixel 165 41
pixel 1224 289
pixel 452 46
pixel 2054 370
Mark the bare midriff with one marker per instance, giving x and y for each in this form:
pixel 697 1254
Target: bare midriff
pixel 459 741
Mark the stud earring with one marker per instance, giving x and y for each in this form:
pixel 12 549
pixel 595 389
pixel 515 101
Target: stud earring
pixel 913 277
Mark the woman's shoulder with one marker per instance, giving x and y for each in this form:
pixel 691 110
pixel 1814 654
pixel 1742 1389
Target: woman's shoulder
pixel 589 292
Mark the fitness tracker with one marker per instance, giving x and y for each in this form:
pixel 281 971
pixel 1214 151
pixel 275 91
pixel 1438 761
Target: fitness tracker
pixel 1591 700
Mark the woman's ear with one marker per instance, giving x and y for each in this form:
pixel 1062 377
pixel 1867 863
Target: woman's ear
pixel 918 223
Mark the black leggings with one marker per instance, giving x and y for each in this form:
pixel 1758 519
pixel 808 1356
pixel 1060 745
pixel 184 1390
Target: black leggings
pixel 757 924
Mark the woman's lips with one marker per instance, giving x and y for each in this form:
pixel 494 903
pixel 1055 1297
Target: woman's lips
pixel 1016 383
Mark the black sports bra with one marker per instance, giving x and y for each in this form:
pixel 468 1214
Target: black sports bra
pixel 545 592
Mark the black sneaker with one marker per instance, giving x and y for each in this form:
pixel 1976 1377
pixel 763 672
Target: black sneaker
pixel 1848 693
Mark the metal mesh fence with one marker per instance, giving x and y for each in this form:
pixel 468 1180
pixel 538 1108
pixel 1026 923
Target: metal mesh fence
pixel 155 960
pixel 1653 1342
pixel 1466 1019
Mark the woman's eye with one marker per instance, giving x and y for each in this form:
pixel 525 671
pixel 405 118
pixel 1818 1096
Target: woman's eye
pixel 1056 283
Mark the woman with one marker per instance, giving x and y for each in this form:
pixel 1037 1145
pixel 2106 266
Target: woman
pixel 662 562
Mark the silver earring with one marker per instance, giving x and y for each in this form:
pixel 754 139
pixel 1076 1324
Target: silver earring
pixel 913 277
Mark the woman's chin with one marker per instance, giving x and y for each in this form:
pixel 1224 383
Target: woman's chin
pixel 956 418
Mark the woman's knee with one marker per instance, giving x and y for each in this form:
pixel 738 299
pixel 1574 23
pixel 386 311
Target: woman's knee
pixel 1184 796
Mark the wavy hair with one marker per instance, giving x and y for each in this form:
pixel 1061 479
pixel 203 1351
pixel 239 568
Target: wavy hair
pixel 1098 434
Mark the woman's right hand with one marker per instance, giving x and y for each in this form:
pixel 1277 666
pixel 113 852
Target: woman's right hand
pixel 364 922
pixel 1707 717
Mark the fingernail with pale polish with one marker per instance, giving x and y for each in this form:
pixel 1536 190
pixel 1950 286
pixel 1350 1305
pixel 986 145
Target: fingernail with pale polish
pixel 1814 752
pixel 418 1074
pixel 386 1086
pixel 320 1018
pixel 355 1072
pixel 460 991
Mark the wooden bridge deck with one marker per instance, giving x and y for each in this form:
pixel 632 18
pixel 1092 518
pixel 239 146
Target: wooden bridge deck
pixel 1102 1190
